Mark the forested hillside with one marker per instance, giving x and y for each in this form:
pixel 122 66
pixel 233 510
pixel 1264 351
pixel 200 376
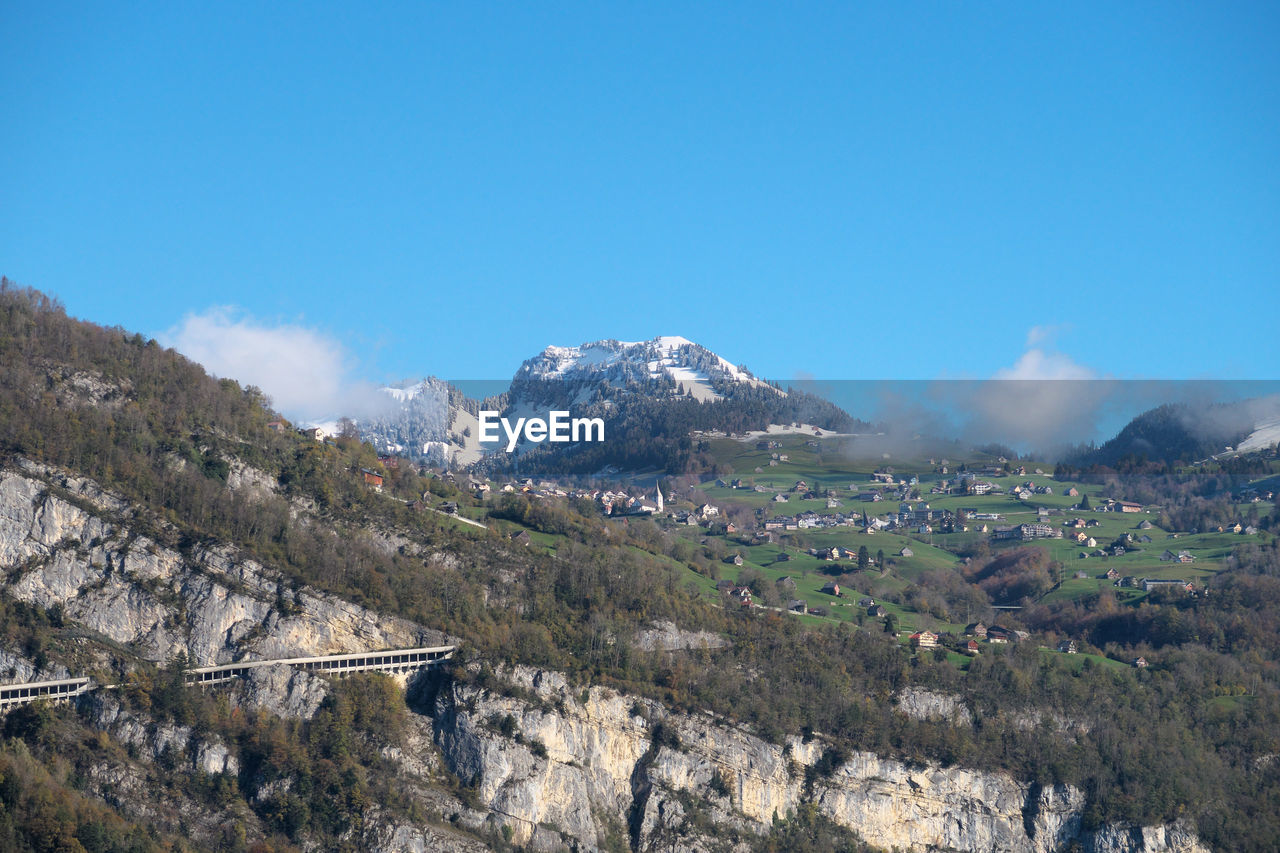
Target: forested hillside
pixel 645 432
pixel 1172 433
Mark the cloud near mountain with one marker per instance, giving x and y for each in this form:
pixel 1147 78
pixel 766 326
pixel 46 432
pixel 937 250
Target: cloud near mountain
pixel 304 371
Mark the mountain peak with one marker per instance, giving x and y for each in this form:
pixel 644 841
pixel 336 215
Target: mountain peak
pixel 661 360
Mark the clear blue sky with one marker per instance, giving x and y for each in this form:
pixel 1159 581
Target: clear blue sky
pixel 841 190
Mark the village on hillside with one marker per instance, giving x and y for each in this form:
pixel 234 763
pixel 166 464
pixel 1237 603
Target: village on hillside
pixel 797 526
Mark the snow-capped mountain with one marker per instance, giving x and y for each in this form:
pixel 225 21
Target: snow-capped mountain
pixel 597 372
pixel 651 394
pixel 428 420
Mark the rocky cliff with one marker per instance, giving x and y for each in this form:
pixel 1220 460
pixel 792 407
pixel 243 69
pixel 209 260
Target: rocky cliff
pixel 66 542
pixel 589 762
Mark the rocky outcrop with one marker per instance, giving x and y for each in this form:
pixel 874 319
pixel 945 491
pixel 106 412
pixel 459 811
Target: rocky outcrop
pixel 280 689
pixel 388 836
pixel 921 704
pixel 64 541
pixel 542 754
pixel 15 669
pixel 1123 839
pixel 666 636
pixel 168 742
pixel 246 478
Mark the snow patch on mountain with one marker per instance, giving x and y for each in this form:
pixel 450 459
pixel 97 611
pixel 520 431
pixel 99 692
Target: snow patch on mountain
pixel 428 420
pixel 1265 434
pixel 794 429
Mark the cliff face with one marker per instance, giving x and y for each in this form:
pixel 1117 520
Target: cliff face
pixel 582 762
pixel 64 541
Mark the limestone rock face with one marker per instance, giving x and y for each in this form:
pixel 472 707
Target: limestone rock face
pixel 280 689
pixel 921 704
pixel 242 477
pixel 591 762
pixel 15 669
pixel 209 755
pixel 664 636
pixel 389 837
pixel 64 541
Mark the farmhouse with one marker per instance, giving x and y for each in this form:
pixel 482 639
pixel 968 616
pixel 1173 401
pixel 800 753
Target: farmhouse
pixel 1027 531
pixel 924 639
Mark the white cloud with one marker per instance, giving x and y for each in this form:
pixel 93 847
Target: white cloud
pixel 1044 400
pixel 1042 337
pixel 1037 363
pixel 303 371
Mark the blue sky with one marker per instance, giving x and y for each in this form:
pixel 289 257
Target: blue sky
pixel 840 190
